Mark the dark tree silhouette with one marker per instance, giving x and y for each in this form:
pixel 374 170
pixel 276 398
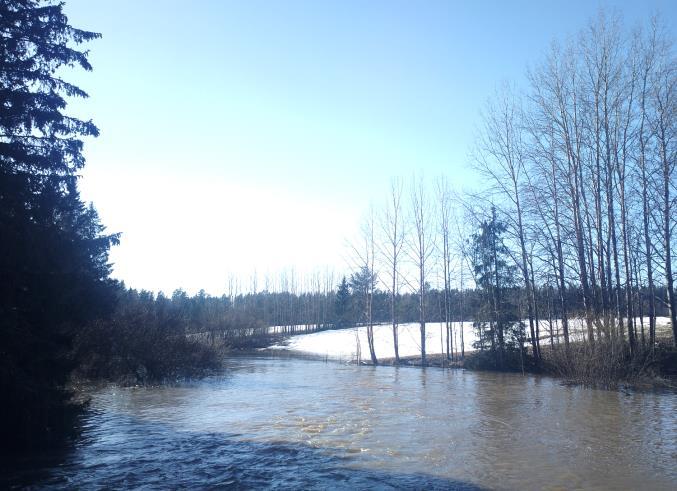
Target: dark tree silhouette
pixel 53 253
pixel 342 305
pixel 499 328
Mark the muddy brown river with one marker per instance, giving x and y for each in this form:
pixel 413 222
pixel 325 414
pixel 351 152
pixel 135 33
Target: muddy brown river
pixel 299 424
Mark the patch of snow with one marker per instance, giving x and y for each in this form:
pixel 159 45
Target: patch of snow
pixel 342 344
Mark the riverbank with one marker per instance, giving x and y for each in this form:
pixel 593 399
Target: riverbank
pixel 648 372
pixel 607 365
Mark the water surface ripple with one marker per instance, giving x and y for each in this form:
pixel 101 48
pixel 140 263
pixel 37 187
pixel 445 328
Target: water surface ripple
pixel 295 423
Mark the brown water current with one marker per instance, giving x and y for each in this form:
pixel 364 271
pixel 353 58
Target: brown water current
pixel 296 423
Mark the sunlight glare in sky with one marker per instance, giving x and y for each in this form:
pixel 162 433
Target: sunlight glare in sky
pixel 253 135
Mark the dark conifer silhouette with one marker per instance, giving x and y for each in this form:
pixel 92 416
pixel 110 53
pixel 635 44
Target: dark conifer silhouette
pixel 343 299
pixel 53 253
pixel 498 325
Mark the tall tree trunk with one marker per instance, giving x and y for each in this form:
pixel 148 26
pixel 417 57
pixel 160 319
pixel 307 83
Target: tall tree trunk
pixel 421 309
pixel 561 285
pixel 644 185
pixel 496 294
pixel 667 245
pixel 528 287
pixel 393 316
pixel 648 255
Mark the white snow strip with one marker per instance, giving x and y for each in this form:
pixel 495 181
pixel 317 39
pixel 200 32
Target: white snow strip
pixel 342 344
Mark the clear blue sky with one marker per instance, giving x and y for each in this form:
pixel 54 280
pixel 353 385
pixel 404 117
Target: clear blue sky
pixel 242 135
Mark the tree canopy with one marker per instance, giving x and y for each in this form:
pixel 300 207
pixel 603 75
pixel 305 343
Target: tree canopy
pixel 54 269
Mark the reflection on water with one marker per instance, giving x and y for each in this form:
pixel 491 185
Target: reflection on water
pixel 303 423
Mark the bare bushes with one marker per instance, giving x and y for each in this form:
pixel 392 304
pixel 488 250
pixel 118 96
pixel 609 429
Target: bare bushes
pixel 609 364
pixel 150 339
pixel 513 360
pixel 234 331
pixel 137 349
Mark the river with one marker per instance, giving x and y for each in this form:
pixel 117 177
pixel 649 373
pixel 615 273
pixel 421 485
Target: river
pixel 299 423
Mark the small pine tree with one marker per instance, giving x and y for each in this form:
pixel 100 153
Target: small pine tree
pixel 342 303
pixel 499 328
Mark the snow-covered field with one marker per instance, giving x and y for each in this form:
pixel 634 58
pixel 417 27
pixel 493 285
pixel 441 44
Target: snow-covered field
pixel 344 344
pixel 578 329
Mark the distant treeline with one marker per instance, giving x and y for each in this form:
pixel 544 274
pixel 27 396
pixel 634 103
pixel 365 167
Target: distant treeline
pixel 326 309
pixel 250 314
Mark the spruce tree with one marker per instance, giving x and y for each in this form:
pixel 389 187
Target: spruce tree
pixel 342 306
pixel 497 322
pixel 53 253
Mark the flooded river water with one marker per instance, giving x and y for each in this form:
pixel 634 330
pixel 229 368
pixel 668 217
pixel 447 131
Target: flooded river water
pixel 296 423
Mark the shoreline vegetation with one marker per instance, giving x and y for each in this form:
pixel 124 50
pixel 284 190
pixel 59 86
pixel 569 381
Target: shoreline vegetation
pixel 658 374
pixel 171 361
pixel 148 338
pixel 609 367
